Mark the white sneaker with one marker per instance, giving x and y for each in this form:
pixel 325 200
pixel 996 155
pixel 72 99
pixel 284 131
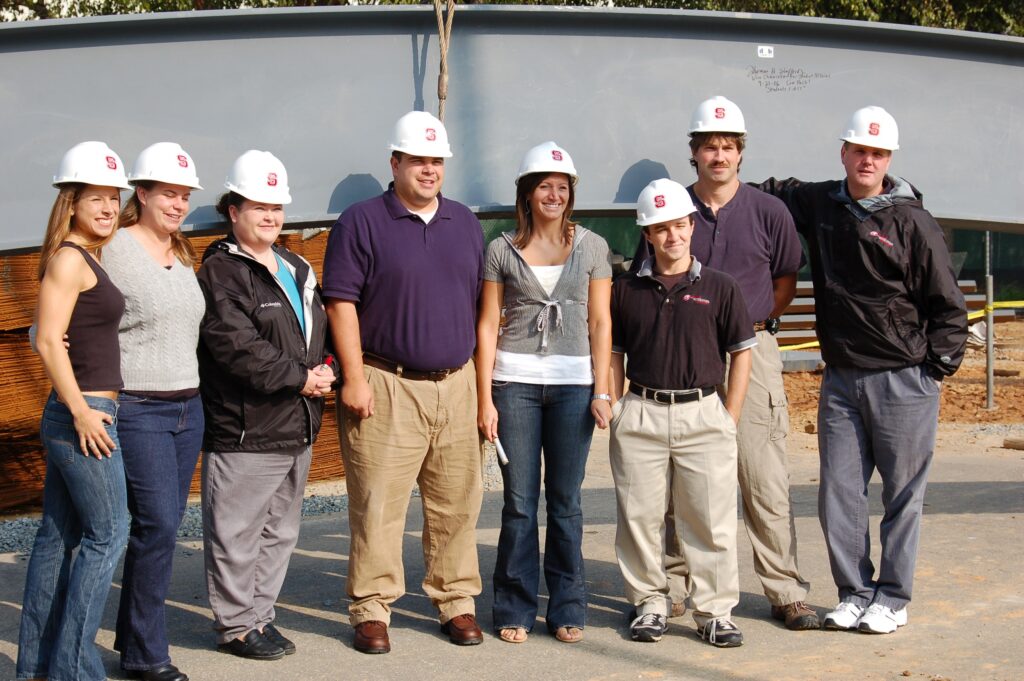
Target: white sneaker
pixel 879 619
pixel 845 616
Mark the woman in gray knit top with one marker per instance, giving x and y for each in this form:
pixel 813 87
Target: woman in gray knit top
pixel 160 421
pixel 543 357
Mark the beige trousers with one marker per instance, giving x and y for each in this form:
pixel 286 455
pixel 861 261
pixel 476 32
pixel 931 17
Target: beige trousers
pixel 693 445
pixel 764 485
pixel 421 432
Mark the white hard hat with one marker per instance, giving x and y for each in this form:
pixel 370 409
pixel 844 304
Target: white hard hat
pixel 547 158
pixel 165 162
pixel 91 163
pixel 663 201
pixel 417 133
pixel 873 126
pixel 717 114
pixel 259 176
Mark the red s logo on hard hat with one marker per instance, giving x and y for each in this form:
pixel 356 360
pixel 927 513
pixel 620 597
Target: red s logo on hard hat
pixel 431 134
pixel 271 179
pixel 183 160
pixel 873 129
pixel 720 112
pixel 556 155
pixel 659 201
pixel 111 162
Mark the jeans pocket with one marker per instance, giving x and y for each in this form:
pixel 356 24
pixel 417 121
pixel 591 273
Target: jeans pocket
pixel 496 385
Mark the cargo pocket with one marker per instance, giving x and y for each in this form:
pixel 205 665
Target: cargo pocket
pixel 778 415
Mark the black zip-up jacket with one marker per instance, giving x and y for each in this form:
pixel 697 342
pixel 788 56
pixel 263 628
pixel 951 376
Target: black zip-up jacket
pixel 884 289
pixel 253 357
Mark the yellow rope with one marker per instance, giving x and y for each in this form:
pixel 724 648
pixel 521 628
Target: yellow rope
pixel 444 36
pixel 977 314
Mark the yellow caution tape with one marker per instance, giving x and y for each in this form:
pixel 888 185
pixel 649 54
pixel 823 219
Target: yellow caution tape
pixel 977 314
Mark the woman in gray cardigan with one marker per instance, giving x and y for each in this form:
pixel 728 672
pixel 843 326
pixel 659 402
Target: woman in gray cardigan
pixel 543 356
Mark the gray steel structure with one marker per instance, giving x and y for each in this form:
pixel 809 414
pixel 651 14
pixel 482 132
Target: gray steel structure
pixel 322 87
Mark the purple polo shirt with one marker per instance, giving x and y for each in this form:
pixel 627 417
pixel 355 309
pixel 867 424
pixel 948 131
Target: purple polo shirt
pixel 753 239
pixel 415 285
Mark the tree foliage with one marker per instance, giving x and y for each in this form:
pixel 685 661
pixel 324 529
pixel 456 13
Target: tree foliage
pixel 989 16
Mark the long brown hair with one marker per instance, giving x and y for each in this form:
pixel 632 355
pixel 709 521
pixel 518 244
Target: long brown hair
pixel 132 211
pixel 524 220
pixel 59 226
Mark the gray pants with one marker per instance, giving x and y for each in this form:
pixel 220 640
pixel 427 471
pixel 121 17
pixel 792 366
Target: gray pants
pixel 252 505
pixel 869 420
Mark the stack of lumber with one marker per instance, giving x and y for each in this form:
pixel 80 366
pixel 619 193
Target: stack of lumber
pixel 24 386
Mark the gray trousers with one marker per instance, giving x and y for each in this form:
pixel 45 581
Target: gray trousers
pixel 867 420
pixel 252 505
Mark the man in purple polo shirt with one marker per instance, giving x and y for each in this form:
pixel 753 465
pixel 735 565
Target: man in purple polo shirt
pixel 751 236
pixel 402 275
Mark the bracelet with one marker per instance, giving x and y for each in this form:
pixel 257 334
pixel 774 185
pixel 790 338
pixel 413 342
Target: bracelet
pixel 601 396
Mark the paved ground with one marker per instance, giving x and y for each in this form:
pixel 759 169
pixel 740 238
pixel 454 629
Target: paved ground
pixel 966 622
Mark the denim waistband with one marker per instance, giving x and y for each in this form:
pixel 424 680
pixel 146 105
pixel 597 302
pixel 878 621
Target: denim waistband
pixel 56 409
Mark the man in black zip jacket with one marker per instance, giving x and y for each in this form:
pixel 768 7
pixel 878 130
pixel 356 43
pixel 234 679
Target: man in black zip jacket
pixel 892 324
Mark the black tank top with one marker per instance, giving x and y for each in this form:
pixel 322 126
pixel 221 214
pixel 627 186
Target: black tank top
pixel 95 351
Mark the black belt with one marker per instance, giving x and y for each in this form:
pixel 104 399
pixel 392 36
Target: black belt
pixel 670 396
pixel 403 372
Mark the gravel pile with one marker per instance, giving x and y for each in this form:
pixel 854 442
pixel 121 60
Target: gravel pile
pixel 17 535
pixel 998 429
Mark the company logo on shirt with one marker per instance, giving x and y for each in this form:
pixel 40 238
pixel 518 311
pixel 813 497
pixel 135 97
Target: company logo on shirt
pixel 695 299
pixel 877 236
pixel 271 304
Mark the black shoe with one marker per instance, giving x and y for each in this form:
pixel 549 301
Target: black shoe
pixel 254 647
pixel 271 633
pixel 721 633
pixel 166 673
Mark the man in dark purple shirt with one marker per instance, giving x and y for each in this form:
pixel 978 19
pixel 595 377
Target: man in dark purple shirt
pixel 402 275
pixel 745 233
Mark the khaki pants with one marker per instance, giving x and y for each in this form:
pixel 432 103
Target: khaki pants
pixel 421 432
pixel 764 485
pixel 694 445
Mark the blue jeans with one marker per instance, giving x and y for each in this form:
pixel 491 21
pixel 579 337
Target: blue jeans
pixel 84 507
pixel 553 420
pixel 160 441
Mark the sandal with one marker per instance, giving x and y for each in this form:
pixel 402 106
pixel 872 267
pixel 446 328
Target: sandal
pixel 569 634
pixel 513 634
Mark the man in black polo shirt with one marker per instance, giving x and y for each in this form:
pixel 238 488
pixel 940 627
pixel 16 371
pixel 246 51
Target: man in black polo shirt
pixel 675 321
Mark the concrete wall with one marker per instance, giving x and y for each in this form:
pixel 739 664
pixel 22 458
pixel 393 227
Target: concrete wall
pixel 322 87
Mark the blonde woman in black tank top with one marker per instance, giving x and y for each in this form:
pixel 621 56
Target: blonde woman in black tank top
pixel 84 498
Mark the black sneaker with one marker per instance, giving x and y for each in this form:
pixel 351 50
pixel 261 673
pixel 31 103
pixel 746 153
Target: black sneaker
pixel 648 628
pixel 721 633
pixel 271 633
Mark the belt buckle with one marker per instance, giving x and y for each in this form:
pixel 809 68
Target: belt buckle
pixel 671 396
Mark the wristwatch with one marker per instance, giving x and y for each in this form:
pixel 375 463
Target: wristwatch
pixel 771 325
pixel 601 396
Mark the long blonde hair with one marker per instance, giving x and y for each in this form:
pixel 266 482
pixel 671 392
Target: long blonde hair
pixel 59 226
pixel 180 245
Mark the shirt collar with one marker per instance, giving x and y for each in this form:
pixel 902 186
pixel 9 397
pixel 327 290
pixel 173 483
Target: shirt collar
pixel 647 269
pixel 397 210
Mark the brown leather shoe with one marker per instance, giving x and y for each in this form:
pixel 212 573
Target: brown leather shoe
pixel 372 638
pixel 797 616
pixel 462 630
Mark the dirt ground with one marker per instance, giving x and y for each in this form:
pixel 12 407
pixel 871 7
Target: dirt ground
pixel 963 395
